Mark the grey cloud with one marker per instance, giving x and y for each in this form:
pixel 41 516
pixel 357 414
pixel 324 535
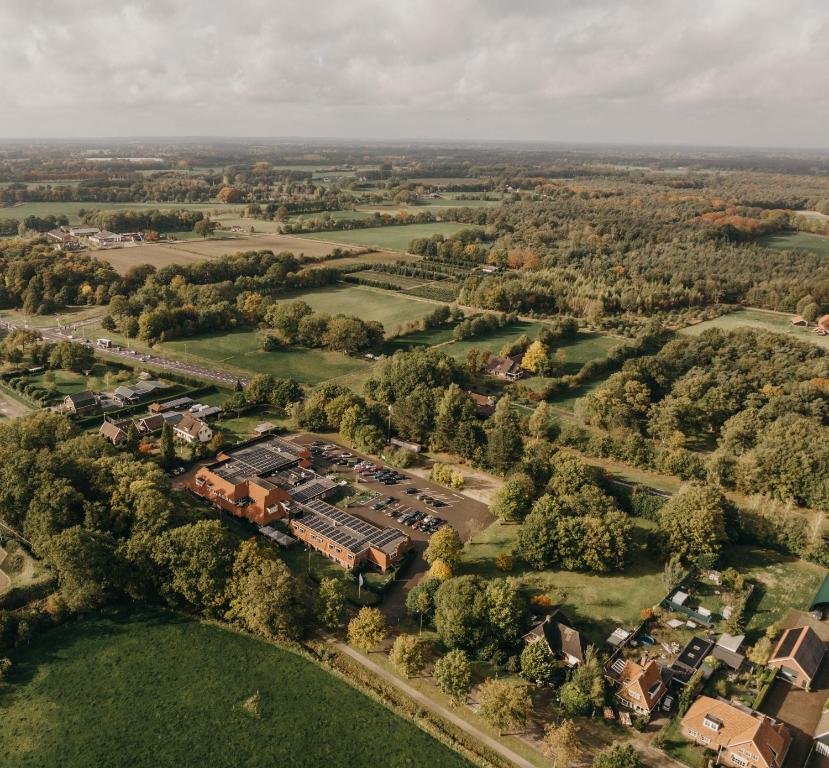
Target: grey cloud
pixel 738 72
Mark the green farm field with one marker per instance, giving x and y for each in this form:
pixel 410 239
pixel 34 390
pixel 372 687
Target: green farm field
pixel 148 689
pixel 395 238
pixel 492 342
pixel 796 241
pixel 777 322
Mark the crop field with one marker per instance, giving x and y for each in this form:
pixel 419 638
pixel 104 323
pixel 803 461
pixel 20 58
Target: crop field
pixel 366 303
pixel 240 351
pixel 396 237
pixel 162 254
pixel 797 241
pixel 70 210
pixel 597 603
pixel 150 688
pixel 758 318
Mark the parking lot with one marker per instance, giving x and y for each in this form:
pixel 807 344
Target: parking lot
pixel 409 496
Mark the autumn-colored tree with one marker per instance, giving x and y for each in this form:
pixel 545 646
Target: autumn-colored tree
pixel 408 654
pixel 560 744
pixel 230 195
pixel 453 675
pixel 367 629
pixel 439 570
pixel 504 705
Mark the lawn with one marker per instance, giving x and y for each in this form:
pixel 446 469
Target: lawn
pixel 70 382
pixel 783 583
pixel 366 303
pixel 596 603
pixel 796 241
pixel 395 238
pixel 428 338
pixel 238 428
pixel 65 316
pixel 776 322
pixel 151 689
pixel 240 350
pixel 679 748
pixel 493 342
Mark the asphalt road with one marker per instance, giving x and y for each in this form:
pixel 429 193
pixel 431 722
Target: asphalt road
pixel 60 334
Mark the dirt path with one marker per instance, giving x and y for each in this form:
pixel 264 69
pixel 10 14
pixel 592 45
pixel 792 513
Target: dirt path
pixel 5 581
pixel 447 714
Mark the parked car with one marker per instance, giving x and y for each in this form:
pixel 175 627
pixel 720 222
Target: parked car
pixel 410 491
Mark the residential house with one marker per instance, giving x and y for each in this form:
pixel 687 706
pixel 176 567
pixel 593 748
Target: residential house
pixel 80 403
pixel 61 236
pixel 114 431
pixel 690 659
pixel 740 736
pixel 822 734
pixel 484 404
pixel 508 368
pixel 135 393
pixel 641 686
pixel 561 640
pixel 729 650
pixel 190 430
pixel 798 656
pixel 150 424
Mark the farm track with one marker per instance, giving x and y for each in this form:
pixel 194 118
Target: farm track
pixel 5 580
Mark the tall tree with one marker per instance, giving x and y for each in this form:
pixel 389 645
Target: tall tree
pixel 408 654
pixel 561 744
pixel 453 675
pixel 505 445
pixel 331 602
pixel 504 705
pixel 367 629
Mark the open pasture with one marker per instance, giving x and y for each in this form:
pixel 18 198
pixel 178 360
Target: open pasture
pixel 796 241
pixel 396 237
pixel 776 322
pixel 71 209
pixel 151 688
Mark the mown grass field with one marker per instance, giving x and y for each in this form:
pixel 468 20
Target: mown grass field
pixel 240 350
pixel 796 241
pixel 758 318
pixel 493 342
pixel 149 689
pixel 783 583
pixel 395 238
pixel 366 303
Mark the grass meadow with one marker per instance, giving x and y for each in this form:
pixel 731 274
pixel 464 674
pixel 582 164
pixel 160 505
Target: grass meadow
pixel 148 688
pixel 72 209
pixel 777 322
pixel 394 238
pixel 796 241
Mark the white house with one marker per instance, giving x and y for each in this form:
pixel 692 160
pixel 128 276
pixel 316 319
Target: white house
pixel 190 429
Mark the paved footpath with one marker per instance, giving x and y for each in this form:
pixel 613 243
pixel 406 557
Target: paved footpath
pixel 413 693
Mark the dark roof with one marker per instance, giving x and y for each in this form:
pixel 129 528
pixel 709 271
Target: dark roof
pixel 802 645
pixel 258 459
pixel 345 529
pixel 561 638
pixel 312 489
pixel 82 398
pixel 691 657
pixel 726 656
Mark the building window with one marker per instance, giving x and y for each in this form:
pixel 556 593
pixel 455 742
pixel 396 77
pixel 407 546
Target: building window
pixel 735 760
pixel 351 557
pixel 692 733
pixel 705 740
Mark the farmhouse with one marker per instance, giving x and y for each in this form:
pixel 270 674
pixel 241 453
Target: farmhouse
pixel 105 238
pixel 61 236
pixel 798 656
pixel 484 404
pixel 561 640
pixel 504 368
pixel 135 393
pixel 80 403
pixel 114 431
pixel 347 539
pixel 739 735
pixel 641 687
pixel 150 424
pixel 190 430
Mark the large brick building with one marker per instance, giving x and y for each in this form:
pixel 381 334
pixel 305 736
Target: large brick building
pixel 269 479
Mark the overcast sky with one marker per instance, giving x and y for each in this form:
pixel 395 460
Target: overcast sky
pixel 726 72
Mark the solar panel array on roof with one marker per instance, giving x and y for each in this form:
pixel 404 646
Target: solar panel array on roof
pixel 256 460
pixel 311 490
pixel 694 653
pixel 345 529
